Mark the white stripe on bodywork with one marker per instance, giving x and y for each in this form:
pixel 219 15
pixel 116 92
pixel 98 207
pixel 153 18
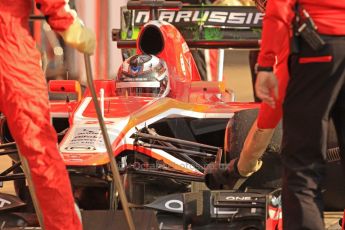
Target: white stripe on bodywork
pixel 78 115
pixel 176 161
pixel 170 113
pixel 120 123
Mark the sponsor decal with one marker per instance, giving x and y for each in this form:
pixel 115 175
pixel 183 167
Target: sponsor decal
pixel 86 139
pixel 224 211
pixel 207 16
pixel 175 205
pixel 240 198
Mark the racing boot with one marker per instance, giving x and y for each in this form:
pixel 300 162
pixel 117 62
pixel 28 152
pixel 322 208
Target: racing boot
pixel 254 147
pixel 217 177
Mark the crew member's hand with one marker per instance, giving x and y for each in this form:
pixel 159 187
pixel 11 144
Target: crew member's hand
pixel 80 37
pixel 266 87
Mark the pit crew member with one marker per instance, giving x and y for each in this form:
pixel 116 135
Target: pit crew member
pixel 260 133
pixel 315 93
pixel 24 101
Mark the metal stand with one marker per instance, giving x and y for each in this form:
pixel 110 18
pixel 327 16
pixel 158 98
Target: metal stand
pixel 220 66
pixel 113 165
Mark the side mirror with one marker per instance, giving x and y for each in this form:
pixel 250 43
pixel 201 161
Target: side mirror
pixel 65 86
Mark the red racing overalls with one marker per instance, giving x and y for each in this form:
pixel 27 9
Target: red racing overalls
pixel 268 117
pixel 24 102
pixel 315 94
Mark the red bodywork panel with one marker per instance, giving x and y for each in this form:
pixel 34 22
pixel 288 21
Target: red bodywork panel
pixel 117 107
pixel 175 53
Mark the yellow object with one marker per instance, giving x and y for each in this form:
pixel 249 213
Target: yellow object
pixel 78 90
pixel 254 146
pixel 80 37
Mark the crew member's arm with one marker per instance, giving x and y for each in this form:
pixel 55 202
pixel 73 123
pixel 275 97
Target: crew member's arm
pixel 65 21
pixel 276 28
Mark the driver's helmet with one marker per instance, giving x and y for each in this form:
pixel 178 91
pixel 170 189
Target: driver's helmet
pixel 261 5
pixel 143 75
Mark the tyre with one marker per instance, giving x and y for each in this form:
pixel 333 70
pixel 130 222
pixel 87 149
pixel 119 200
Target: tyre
pixel 270 174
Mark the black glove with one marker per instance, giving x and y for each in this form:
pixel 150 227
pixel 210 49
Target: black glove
pixel 217 177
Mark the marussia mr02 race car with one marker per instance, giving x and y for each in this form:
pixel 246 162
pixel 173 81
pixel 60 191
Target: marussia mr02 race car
pixel 165 125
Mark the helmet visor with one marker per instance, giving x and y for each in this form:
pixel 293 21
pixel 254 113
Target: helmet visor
pixel 139 89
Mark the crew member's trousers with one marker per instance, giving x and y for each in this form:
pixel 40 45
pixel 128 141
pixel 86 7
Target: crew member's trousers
pixel 315 93
pixel 24 102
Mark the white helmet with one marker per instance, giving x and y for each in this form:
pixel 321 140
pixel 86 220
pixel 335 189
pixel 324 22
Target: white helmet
pixel 143 75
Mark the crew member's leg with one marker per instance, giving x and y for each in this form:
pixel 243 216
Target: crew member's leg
pixel 338 115
pixel 314 85
pixel 24 99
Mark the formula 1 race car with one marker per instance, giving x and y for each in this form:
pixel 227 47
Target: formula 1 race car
pixel 165 125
